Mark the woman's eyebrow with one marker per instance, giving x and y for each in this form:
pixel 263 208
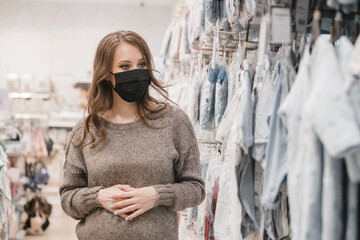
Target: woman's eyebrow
pixel 124 61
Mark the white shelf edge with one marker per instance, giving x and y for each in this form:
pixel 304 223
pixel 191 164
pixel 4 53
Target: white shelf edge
pixel 26 95
pixel 30 116
pixel 61 124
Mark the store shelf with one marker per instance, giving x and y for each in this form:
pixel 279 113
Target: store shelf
pixel 28 95
pixel 13 154
pixel 33 116
pixel 62 124
pixel 64 119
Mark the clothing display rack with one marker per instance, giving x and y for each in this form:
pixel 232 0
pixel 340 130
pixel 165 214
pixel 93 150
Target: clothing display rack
pixel 246 93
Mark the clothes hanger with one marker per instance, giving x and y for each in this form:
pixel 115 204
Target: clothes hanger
pixel 316 24
pixel 337 27
pixel 355 31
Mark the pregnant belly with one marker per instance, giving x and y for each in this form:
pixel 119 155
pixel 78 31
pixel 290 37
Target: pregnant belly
pixel 157 223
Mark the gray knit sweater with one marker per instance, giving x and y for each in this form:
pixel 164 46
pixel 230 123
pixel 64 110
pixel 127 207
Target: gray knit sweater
pixel 167 159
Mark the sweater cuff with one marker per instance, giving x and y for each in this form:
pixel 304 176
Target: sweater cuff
pixel 90 199
pixel 166 195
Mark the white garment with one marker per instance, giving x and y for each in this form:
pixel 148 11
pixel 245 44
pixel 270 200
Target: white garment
pixel 167 39
pixel 328 118
pixel 175 40
pixel 4 181
pixel 193 103
pixel 228 215
pixel 291 113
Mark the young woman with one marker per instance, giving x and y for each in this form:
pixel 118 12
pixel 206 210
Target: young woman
pixel 133 161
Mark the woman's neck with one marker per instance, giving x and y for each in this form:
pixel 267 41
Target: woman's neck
pixel 122 111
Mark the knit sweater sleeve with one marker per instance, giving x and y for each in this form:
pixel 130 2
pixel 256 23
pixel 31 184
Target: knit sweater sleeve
pixel 77 199
pixel 188 189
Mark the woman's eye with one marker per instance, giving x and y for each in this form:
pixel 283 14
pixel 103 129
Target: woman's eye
pixel 125 66
pixel 142 65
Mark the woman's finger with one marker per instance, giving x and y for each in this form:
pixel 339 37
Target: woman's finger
pixel 124 216
pixel 128 209
pixel 135 214
pixel 123 195
pixel 122 204
pixel 123 187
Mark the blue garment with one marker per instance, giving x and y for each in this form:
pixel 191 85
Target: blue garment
pixel 247 195
pixel 207 99
pixel 223 16
pixel 352 231
pixel 211 13
pixel 276 159
pixel 333 200
pixel 221 95
pixel 266 95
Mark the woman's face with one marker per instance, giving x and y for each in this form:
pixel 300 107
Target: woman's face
pixel 127 57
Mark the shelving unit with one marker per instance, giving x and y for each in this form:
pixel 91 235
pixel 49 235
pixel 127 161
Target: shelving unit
pixel 28 95
pixel 32 116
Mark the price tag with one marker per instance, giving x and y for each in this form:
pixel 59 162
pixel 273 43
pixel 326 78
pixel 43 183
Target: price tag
pixel 302 10
pixel 281 25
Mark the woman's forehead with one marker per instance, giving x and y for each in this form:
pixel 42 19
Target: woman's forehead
pixel 127 52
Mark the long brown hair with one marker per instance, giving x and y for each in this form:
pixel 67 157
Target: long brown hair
pixel 101 94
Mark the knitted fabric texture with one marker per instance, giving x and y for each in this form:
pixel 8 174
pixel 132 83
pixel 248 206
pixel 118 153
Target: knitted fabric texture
pixel 167 159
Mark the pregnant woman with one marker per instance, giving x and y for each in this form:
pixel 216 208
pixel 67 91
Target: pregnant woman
pixel 133 162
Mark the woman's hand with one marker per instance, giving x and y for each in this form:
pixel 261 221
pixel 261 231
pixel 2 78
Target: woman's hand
pixel 106 196
pixel 137 201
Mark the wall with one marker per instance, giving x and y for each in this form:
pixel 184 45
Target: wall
pixel 58 38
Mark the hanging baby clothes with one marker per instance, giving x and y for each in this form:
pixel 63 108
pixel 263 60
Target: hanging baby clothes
pixel 353 160
pixel 266 92
pixel 212 183
pixel 334 205
pixel 4 181
pixel 207 101
pixel 245 137
pixel 324 111
pixel 233 12
pixel 211 13
pixel 353 92
pixel 276 160
pixel 291 113
pixel 196 22
pixel 221 93
pixel 229 209
pixel 234 71
pixel 5 195
pixel 223 16
pixel 194 93
pixel 165 46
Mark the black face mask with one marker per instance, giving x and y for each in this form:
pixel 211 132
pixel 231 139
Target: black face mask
pixel 132 85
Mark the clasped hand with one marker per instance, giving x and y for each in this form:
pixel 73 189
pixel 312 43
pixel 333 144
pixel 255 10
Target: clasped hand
pixel 127 202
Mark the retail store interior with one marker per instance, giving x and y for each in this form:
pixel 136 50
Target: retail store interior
pixel 271 88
